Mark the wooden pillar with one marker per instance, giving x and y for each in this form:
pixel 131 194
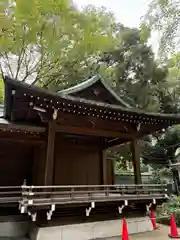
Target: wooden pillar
pixel 49 169
pixel 136 162
pixel 108 177
pixel 104 167
pixel 112 173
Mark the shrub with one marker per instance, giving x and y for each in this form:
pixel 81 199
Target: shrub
pixel 172 205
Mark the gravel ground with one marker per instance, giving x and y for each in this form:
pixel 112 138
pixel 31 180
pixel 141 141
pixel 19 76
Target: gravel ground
pixel 160 234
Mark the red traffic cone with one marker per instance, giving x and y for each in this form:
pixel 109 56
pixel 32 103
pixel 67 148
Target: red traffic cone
pixel 124 231
pixel 173 228
pixel 153 219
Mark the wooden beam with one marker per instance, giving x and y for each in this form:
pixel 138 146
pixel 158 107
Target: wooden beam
pixel 22 141
pixel 136 162
pixel 4 124
pixel 49 169
pixel 114 142
pixel 112 172
pixel 21 137
pixel 150 129
pixel 92 132
pixel 90 121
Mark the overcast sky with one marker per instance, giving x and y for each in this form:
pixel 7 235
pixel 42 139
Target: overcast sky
pixel 128 12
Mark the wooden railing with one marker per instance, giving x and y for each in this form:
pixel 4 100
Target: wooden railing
pixel 47 195
pixel 10 194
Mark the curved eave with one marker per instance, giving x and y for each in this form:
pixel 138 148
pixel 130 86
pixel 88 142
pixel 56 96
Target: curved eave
pixel 124 109
pixel 79 87
pixel 63 101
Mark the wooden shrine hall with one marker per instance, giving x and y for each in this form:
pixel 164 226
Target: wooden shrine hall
pixel 54 143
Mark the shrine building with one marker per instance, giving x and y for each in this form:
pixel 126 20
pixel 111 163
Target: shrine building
pixel 53 169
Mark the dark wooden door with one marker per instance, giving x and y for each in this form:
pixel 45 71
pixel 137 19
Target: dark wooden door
pixel 76 166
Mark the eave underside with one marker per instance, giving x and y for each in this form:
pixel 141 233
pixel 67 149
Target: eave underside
pixel 35 106
pixel 26 134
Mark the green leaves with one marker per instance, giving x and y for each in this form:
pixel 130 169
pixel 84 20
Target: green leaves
pixel 34 28
pixel 145 32
pixel 52 42
pixel 137 76
pixel 164 149
pixel 163 3
pixel 1 90
pixel 56 45
pixel 163 17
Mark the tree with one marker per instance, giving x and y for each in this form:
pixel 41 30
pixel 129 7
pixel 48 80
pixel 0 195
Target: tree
pixel 101 34
pixel 163 17
pixel 173 64
pixel 141 82
pixel 170 91
pixel 137 76
pixel 1 90
pixel 164 149
pixel 27 30
pixel 161 175
pixel 51 41
pixel 161 154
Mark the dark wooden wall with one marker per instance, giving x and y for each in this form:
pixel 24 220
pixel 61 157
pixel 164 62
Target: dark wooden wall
pixel 74 163
pixel 77 164
pixel 77 161
pixel 16 161
pixel 39 165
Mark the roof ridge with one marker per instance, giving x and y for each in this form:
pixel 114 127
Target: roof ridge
pixel 79 86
